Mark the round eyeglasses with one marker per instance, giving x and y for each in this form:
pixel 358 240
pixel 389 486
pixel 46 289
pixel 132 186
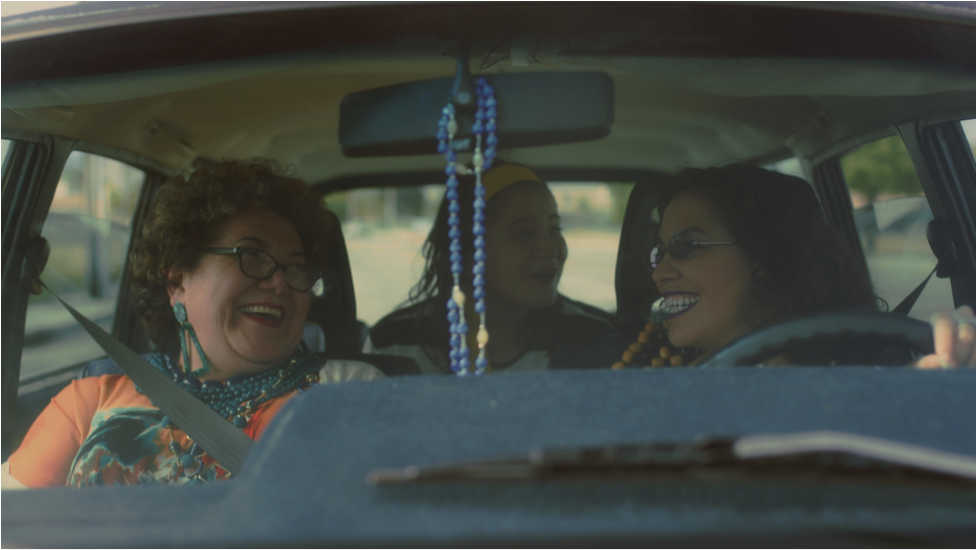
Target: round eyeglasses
pixel 260 265
pixel 679 247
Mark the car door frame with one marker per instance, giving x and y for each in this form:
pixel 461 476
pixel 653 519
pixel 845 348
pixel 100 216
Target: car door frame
pixel 944 164
pixel 30 176
pixel 31 173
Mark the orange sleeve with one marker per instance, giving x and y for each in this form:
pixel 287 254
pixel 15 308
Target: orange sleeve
pixel 264 415
pixel 45 456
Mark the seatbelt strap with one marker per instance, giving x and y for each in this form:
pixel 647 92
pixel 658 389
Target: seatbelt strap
pixel 219 438
pixel 881 351
pixel 908 302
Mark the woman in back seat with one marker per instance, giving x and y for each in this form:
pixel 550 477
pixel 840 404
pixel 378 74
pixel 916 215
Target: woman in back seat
pixel 525 253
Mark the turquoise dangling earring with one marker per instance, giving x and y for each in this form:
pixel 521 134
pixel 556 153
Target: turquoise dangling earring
pixel 185 327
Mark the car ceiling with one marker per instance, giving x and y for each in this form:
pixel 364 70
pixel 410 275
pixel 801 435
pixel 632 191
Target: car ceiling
pixel 693 97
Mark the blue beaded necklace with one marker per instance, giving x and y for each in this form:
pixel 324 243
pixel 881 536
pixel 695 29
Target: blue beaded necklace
pixel 239 396
pixel 485 125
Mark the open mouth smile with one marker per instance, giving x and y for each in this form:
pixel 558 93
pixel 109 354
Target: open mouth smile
pixel 679 304
pixel 545 277
pixel 264 314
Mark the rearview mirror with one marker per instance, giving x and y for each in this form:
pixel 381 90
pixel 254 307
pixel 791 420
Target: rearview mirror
pixel 534 109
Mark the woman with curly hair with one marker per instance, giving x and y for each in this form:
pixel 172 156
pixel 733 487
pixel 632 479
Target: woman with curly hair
pixel 740 247
pixel 223 278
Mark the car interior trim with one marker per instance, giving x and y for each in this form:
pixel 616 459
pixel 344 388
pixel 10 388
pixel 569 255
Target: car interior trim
pixel 948 202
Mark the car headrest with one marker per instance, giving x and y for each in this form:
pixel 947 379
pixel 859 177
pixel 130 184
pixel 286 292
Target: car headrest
pixel 335 310
pixel 632 277
pixel 314 337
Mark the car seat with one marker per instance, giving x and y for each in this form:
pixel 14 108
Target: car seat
pixel 633 285
pixel 335 310
pixel 632 276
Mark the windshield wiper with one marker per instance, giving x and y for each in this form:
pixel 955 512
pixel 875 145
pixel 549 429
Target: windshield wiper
pixel 791 454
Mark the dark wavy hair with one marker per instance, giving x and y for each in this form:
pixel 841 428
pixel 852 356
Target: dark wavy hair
pixel 188 215
pixel 437 279
pixel 805 265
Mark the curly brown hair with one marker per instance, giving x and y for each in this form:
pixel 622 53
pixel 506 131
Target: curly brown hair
pixel 805 265
pixel 190 212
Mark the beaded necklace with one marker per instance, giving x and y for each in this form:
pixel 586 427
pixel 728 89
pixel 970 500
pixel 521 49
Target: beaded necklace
pixel 239 396
pixel 652 349
pixel 485 124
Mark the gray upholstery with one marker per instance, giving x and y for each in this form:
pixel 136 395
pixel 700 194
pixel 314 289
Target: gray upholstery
pixel 335 310
pixel 632 277
pixel 314 338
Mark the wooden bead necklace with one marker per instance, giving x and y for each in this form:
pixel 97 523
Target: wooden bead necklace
pixel 652 349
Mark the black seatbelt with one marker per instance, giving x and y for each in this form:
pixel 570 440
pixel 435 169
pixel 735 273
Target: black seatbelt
pixel 940 240
pixel 906 305
pixel 219 438
pixel 941 244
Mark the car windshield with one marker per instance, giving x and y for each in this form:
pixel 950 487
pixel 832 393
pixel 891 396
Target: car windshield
pixel 594 270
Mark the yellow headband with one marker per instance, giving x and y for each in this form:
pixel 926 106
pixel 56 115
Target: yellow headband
pixel 500 177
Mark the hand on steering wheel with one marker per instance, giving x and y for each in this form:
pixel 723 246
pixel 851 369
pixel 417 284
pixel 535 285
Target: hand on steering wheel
pixel 953 339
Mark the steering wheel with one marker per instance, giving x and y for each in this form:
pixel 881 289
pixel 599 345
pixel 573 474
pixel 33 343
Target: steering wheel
pixel 833 327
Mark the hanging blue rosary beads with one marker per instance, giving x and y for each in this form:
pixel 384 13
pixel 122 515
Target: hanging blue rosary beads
pixel 447 128
pixel 485 125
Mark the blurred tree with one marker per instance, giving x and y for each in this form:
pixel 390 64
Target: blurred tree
pixel 882 166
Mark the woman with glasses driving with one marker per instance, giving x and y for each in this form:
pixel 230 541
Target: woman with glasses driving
pixel 223 276
pixel 739 248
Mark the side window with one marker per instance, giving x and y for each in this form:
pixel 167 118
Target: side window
pixel 387 227
pixel 383 228
pixel 891 214
pixel 591 215
pixel 4 147
pixel 968 130
pixel 790 166
pixel 88 229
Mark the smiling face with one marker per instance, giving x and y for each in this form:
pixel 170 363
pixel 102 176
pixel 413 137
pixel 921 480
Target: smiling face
pixel 244 325
pixel 525 249
pixel 708 292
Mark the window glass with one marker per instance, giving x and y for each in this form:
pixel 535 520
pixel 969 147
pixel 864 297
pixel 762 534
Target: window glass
pixel 968 130
pixel 891 214
pixel 591 214
pixel 88 229
pixel 4 147
pixel 385 230
pixel 791 167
